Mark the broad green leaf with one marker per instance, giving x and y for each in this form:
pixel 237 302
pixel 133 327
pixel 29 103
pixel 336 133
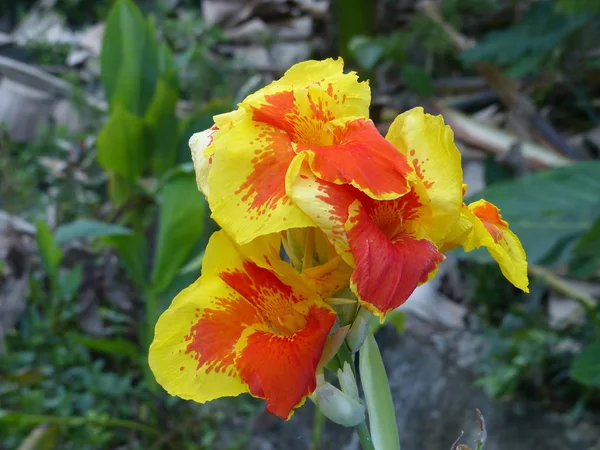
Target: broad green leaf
pixel 88 228
pixel 122 144
pixel 162 127
pixel 549 210
pixel 534 38
pixel 132 252
pixel 50 254
pixel 586 366
pixel 129 58
pixel 119 347
pixel 586 254
pixel 182 214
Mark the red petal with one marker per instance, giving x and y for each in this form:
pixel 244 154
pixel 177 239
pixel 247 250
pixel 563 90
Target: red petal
pixel 281 369
pixel 387 271
pixel 363 158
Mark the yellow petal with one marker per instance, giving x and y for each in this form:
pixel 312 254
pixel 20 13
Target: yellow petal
pixel 177 366
pixel 247 182
pixel 429 145
pixel 490 231
pixel 325 203
pixel 322 85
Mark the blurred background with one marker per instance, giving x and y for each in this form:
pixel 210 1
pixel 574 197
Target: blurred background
pixel 101 223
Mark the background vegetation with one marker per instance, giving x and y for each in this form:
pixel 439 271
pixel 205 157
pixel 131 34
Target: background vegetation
pixel 103 224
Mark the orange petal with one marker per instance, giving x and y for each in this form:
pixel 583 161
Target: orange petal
pixel 361 157
pixel 387 270
pixel 282 368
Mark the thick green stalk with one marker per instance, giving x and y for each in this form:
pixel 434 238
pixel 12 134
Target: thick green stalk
pixel 378 396
pixel 318 425
pixel 364 436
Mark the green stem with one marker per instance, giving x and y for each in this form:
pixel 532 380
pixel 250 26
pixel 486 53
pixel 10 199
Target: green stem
pixel 78 421
pixel 318 425
pixel 378 396
pixel 364 436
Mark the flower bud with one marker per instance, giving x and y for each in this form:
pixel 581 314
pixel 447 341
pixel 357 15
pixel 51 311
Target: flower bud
pixel 339 406
pixel 358 331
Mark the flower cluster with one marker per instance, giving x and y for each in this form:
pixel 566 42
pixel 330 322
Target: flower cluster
pixel 321 216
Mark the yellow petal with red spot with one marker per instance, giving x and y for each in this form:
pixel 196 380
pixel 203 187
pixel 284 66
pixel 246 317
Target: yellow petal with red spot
pixel 192 355
pixel 328 278
pixel 429 145
pixel 459 232
pixel 216 337
pixel 490 231
pixel 247 182
pixel 325 203
pixel 321 87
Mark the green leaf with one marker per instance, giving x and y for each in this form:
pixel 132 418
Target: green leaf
pixel 118 347
pixel 50 254
pixel 549 210
pixel 586 254
pixel 417 79
pixel 122 144
pixel 132 252
pixel 88 228
pixel 129 58
pixel 352 18
pixel 534 38
pixel 586 366
pixel 182 214
pixel 70 281
pixel 162 126
pixel 367 52
pixel 378 396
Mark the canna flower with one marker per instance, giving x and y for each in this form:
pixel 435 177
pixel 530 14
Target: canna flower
pixel 249 324
pixel 301 153
pixel 393 245
pixel 314 115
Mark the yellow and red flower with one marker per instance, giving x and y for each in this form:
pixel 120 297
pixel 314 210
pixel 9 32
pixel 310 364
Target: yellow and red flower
pixel 299 167
pixel 314 113
pixel 392 244
pixel 248 324
pixel 302 153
